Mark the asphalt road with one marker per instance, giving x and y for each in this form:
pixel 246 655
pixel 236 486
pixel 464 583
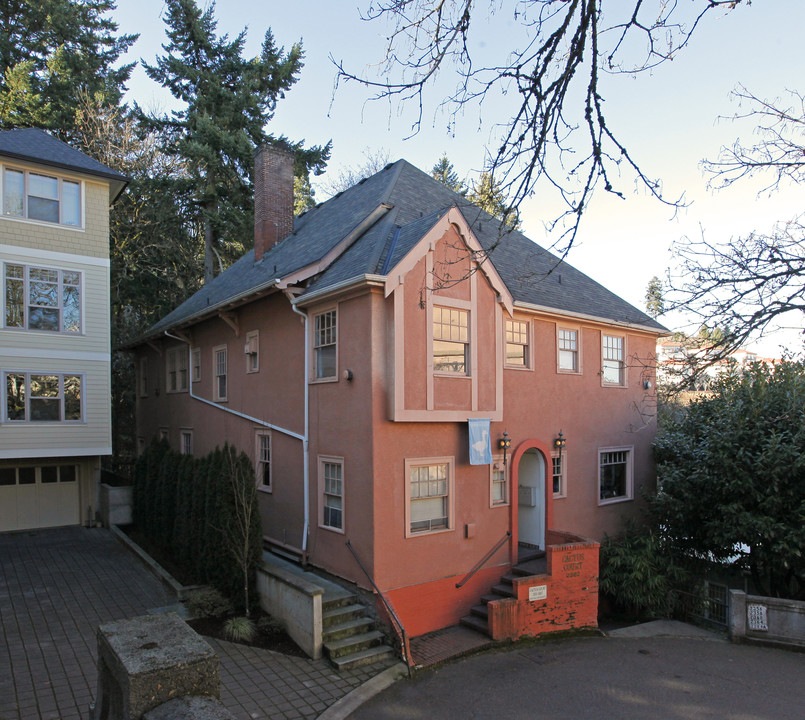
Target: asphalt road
pixel 605 679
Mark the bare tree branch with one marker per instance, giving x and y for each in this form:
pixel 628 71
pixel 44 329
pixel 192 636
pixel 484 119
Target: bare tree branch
pixel 556 76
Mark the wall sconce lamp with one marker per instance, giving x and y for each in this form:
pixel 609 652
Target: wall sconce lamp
pixel 504 444
pixel 559 443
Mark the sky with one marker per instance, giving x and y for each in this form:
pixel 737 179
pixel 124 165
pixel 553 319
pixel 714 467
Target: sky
pixel 670 119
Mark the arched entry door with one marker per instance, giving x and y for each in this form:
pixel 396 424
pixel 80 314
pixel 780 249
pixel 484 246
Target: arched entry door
pixel 531 513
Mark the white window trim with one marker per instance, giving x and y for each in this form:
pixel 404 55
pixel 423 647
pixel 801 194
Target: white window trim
pixel 451 494
pixel 624 374
pixel 312 359
pixel 27 267
pixel 186 433
pixel 497 464
pixel 215 383
pixel 27 420
pixel 179 355
pixel 195 365
pixel 258 462
pixel 577 330
pixel 563 477
pixel 333 460
pixel 529 353
pixel 252 342
pixel 164 434
pixel 82 201
pixel 629 475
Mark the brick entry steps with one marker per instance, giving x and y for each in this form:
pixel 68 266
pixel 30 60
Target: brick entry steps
pixel 478 619
pixel 350 637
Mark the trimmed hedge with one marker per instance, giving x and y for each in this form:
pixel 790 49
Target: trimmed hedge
pixel 203 513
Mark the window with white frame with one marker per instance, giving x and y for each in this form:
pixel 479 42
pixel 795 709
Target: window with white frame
pixel 143 376
pixel 252 351
pixel 219 365
pixel 331 474
pixel 262 460
pixel 614 474
pixel 517 354
pixel 559 474
pixel 612 365
pixel 186 442
pixel 46 198
pixel 164 434
pixel 498 483
pixel 176 370
pixel 451 340
pixel 196 362
pixel 38 298
pixel 430 488
pixel 567 342
pixel 38 397
pixel 325 337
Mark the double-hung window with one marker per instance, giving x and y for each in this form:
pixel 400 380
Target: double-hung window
pixel 567 341
pixel 612 365
pixel 186 442
pixel 38 298
pixel 324 344
pixel 143 377
pixel 331 473
pixel 559 474
pixel 430 487
pixel 39 397
pixel 219 365
pixel 499 487
pixel 41 197
pixel 517 343
pixel 451 340
pixel 263 460
pixel 196 364
pixel 176 380
pixel 614 475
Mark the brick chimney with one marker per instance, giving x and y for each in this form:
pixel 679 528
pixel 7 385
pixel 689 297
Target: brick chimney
pixel 273 198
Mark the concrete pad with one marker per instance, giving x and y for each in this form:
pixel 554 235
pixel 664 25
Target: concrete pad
pixel 664 628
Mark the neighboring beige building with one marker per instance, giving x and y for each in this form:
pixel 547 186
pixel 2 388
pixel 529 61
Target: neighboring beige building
pixel 55 419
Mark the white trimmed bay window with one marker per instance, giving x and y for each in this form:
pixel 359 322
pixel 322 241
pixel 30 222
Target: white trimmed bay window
pixel 451 340
pixel 39 298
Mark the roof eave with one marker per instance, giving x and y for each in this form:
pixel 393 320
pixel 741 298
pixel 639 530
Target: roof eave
pixel 340 287
pixel 592 318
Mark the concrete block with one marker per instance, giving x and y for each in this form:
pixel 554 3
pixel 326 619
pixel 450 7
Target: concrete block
pixel 190 707
pixel 149 660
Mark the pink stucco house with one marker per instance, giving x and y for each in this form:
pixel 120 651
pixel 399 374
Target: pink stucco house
pixel 350 353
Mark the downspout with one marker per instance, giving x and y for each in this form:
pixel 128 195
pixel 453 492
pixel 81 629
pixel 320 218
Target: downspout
pixel 306 440
pixel 258 421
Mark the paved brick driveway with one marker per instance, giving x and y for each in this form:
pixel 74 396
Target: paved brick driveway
pixel 57 586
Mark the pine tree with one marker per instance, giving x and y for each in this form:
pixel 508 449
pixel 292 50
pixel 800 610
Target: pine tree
pixel 227 102
pixel 51 51
pixel 487 194
pixel 445 173
pixel 655 304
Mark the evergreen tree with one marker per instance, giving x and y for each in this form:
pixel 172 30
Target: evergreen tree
pixel 445 173
pixel 227 101
pixel 51 51
pixel 487 194
pixel 655 305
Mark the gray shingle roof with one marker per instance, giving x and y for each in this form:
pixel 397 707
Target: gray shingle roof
pixel 38 146
pixel 533 275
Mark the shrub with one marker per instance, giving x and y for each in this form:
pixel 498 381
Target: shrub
pixel 208 602
pixel 240 629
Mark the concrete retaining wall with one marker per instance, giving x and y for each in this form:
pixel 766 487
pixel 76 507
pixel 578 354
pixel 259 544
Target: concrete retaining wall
pixel 765 620
pixel 294 602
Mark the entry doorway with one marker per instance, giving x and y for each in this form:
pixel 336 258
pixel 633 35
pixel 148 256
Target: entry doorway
pixel 531 503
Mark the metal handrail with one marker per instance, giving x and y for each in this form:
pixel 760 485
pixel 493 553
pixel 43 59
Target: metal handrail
pixel 486 557
pixel 396 621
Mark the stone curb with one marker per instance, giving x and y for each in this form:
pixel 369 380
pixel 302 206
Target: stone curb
pixel 344 707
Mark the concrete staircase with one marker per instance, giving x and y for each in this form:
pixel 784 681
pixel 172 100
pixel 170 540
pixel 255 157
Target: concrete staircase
pixel 349 636
pixel 478 619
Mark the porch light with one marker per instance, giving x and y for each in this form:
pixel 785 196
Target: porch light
pixel 559 443
pixel 504 444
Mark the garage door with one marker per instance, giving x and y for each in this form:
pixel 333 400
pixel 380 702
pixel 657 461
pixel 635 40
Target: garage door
pixel 37 497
